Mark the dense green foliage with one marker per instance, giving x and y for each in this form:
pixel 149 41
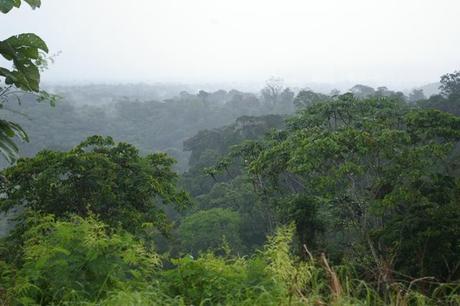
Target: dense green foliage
pixel 210 229
pixel 449 98
pixel 97 177
pixel 351 200
pixel 373 181
pixel 77 260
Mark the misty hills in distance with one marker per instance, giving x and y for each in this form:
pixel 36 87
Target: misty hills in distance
pixel 94 93
pixel 160 116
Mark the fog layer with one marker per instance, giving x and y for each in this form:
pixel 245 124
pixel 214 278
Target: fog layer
pixel 396 43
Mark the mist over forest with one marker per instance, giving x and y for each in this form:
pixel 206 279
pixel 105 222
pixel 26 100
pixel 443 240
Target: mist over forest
pixel 217 153
pixel 157 117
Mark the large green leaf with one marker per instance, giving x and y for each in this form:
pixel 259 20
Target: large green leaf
pixel 31 78
pixel 34 3
pixel 27 79
pixel 10 76
pixel 23 50
pixel 8 5
pixel 26 40
pixel 8 130
pixel 6 50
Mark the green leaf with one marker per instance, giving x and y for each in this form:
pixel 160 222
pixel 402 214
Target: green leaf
pixel 33 3
pixel 27 40
pixel 8 130
pixel 7 5
pixel 6 50
pixel 9 75
pixel 23 50
pixel 32 77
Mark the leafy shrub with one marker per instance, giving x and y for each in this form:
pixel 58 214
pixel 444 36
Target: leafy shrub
pixel 150 296
pixel 78 260
pixel 211 280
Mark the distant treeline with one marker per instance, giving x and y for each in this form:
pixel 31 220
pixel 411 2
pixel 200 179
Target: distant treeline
pixel 133 113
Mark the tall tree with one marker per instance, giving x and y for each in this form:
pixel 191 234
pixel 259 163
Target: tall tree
pixel 450 85
pixel 416 95
pixel 384 177
pixel 98 177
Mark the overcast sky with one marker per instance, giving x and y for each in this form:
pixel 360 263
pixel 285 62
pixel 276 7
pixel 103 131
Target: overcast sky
pixel 386 42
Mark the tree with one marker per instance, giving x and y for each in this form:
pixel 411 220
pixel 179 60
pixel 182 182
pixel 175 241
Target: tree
pixel 306 98
pixel 272 90
pixel 362 91
pixel 450 85
pixel 203 95
pixel 382 91
pixel 449 98
pixel 210 230
pixel 27 54
pixel 98 177
pixel 383 175
pixel 285 104
pixel 238 195
pixel 416 95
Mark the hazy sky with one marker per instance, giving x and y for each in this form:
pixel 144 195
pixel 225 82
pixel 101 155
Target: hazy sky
pixel 391 42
